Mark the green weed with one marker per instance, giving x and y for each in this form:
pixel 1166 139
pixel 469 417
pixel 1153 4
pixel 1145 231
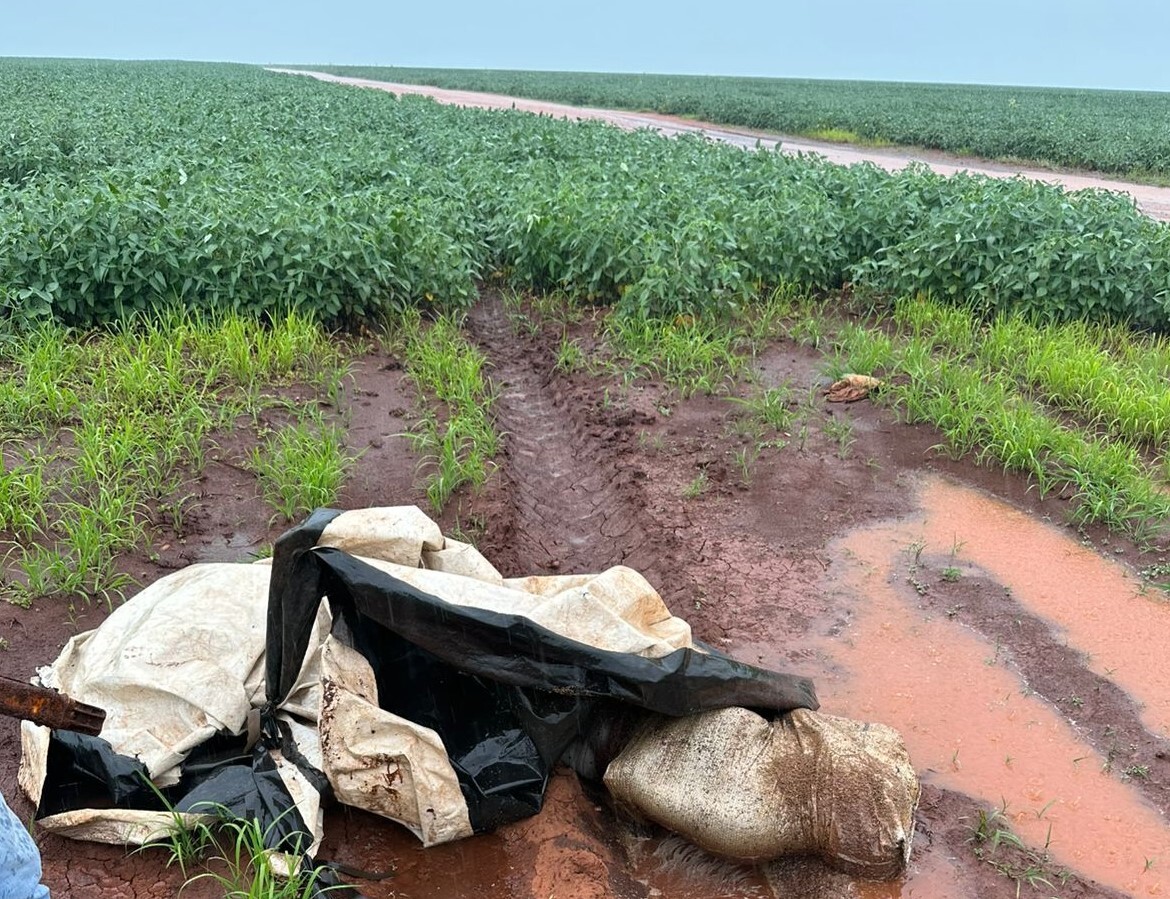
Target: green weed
pixel 969 392
pixel 689 354
pixel 236 857
pixel 845 136
pixel 860 351
pixel 697 487
pixel 771 408
pixel 840 431
pixel 994 842
pixel 745 459
pixel 106 430
pixel 457 446
pixel 570 357
pixel 301 466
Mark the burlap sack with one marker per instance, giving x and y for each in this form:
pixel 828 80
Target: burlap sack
pixel 750 789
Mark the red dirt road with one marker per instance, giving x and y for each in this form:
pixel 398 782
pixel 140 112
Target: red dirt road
pixel 1153 201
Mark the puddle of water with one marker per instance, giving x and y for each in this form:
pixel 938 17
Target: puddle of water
pixel 930 876
pixel 481 866
pixel 1093 600
pixel 969 723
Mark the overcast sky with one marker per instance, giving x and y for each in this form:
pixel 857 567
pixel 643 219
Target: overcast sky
pixel 1121 44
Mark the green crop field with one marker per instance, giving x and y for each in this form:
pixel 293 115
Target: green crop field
pixel 135 186
pixel 1124 132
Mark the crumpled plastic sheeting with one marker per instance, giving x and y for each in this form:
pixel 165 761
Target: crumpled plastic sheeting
pixel 445 697
pixel 750 789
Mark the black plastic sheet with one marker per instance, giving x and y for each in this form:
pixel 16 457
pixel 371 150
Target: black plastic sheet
pixel 86 772
pixel 252 793
pixel 507 696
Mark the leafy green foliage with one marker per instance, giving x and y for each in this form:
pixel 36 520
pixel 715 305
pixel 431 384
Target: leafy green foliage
pixel 1111 131
pixel 1021 245
pixel 130 186
pixel 216 187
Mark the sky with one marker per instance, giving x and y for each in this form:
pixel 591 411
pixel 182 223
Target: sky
pixel 1075 43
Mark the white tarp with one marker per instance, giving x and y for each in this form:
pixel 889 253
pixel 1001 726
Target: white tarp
pixel 184 659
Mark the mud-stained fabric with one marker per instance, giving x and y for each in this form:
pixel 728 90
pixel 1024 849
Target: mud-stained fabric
pixel 444 700
pixel 463 559
pixel 381 762
pixel 507 692
pixel 744 787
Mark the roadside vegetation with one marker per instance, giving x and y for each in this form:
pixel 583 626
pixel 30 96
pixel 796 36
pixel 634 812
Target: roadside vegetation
pixel 1109 131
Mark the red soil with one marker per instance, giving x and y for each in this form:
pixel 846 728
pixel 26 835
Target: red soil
pixel 1020 676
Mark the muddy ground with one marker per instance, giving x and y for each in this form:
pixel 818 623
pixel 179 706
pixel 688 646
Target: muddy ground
pixel 1020 658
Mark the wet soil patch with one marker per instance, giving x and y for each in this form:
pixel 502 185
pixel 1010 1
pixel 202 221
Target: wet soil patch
pixel 945 832
pixel 747 559
pixel 597 472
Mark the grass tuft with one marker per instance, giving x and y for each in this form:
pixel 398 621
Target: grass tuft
pixel 691 354
pixel 457 442
pixel 302 466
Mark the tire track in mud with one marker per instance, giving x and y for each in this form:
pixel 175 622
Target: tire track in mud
pixel 574 504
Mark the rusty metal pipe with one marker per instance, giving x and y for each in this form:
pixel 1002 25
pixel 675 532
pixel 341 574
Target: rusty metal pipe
pixel 41 705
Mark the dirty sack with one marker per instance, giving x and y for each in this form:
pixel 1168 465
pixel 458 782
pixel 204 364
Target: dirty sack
pixel 752 789
pixel 851 388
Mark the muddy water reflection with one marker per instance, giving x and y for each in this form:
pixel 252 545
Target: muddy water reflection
pixel 1095 602
pixel 969 721
pixel 931 876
